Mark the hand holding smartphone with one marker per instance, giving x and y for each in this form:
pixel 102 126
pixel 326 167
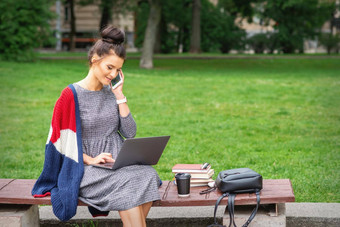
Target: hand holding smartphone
pixel 117 81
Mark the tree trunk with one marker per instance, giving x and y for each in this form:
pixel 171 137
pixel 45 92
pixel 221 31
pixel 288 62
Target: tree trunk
pixel 158 41
pixel 195 40
pixel 106 6
pixel 179 41
pixel 73 26
pixel 150 34
pixel 58 26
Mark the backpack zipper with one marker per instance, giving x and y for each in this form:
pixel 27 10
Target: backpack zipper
pixel 226 174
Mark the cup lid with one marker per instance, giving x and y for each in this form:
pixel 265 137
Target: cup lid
pixel 182 176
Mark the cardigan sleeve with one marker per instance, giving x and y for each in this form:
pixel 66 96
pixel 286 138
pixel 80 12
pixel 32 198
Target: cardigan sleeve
pixel 63 166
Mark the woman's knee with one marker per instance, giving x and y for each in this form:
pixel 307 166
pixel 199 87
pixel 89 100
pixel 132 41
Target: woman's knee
pixel 133 217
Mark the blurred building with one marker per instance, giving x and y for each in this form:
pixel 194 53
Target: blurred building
pixel 88 23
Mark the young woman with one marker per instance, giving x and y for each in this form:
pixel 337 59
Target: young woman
pixel 89 122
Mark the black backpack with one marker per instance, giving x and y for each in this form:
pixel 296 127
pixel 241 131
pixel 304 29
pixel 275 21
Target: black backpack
pixel 235 181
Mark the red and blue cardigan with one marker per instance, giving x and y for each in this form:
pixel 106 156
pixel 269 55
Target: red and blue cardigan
pixel 63 166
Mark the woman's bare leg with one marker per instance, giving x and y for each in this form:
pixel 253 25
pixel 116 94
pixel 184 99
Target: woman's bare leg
pixel 146 208
pixel 133 217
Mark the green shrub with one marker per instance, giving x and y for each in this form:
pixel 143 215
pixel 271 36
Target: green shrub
pixel 331 42
pixel 23 27
pixel 258 42
pixel 272 42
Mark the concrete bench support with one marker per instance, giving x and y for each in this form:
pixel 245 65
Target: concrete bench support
pixel 270 215
pixel 313 214
pixel 19 215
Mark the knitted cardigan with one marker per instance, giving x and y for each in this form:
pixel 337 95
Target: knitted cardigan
pixel 63 166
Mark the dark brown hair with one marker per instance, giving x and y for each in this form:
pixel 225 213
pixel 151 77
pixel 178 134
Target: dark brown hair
pixel 111 39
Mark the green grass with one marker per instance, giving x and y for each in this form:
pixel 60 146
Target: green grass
pixel 280 117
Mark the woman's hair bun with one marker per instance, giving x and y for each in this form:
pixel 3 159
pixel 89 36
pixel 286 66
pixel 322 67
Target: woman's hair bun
pixel 113 35
pixel 112 40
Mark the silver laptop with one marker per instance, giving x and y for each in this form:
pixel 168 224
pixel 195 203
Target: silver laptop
pixel 138 151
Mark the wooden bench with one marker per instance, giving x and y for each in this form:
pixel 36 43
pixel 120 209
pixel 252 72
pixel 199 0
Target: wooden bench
pixel 18 191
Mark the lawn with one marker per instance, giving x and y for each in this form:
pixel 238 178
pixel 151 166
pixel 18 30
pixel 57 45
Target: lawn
pixel 280 117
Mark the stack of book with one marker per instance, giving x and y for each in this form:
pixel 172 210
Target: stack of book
pixel 200 175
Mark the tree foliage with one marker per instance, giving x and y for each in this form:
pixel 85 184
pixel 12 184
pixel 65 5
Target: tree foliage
pixel 23 27
pixel 243 8
pixel 297 20
pixel 175 24
pixel 24 24
pixel 219 31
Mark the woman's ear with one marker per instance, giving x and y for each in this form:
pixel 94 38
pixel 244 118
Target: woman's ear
pixel 95 58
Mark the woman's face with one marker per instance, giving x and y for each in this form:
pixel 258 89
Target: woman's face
pixel 106 68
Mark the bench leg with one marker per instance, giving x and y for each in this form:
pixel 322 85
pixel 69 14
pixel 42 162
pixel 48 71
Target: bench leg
pixel 19 215
pixel 271 215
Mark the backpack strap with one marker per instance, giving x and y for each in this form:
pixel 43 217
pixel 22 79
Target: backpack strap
pixel 215 210
pixel 231 205
pixel 255 209
pixel 231 209
pixel 206 191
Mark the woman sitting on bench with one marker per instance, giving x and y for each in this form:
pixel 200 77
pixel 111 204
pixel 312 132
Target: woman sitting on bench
pixel 88 123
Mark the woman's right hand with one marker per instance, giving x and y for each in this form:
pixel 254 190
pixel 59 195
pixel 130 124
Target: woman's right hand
pixel 102 158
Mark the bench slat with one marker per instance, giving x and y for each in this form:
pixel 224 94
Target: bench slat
pixel 4 182
pixel 19 192
pixel 274 191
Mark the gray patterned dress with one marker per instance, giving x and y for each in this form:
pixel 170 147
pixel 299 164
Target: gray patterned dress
pixel 105 189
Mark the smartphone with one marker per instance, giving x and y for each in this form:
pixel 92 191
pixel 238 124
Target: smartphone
pixel 116 81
